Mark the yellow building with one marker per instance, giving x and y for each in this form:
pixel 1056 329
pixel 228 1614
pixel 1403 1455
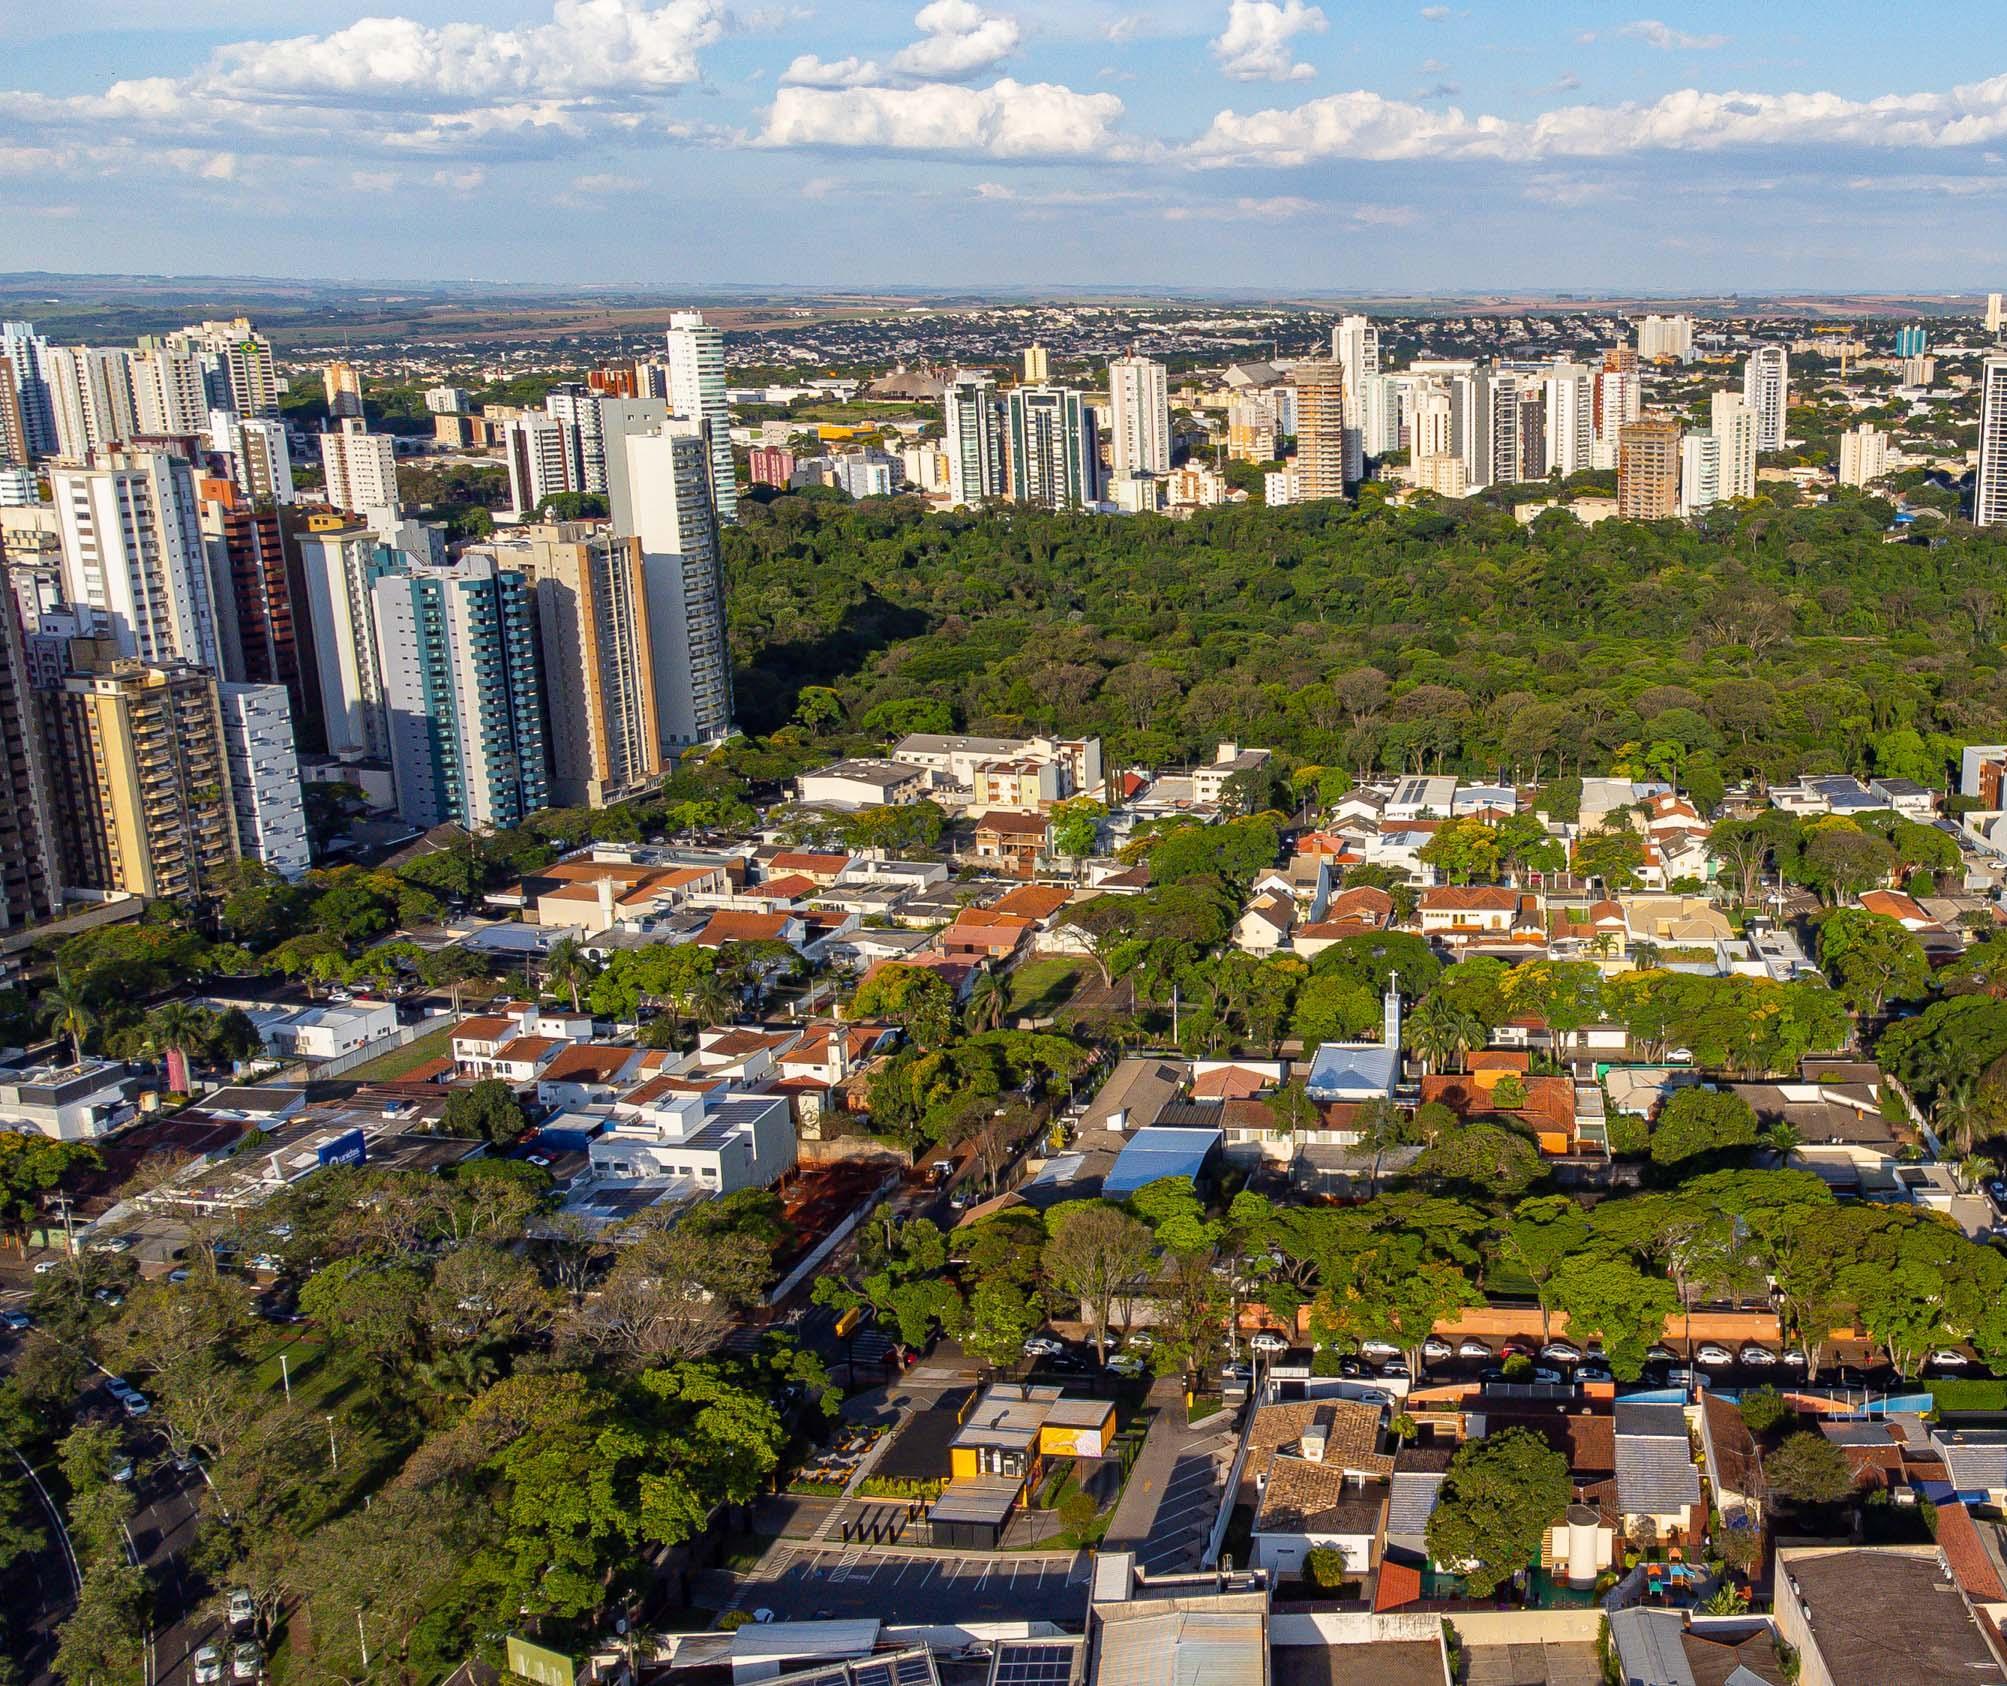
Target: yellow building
pixel 140 774
pixel 1014 1427
pixel 343 387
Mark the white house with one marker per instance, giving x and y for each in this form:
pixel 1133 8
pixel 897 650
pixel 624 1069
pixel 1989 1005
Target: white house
pixel 325 1030
pixel 863 784
pixel 718 1142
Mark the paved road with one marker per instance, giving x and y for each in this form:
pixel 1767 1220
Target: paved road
pixel 1175 1487
pixel 800 1583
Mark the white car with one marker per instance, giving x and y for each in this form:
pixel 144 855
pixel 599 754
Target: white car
pixel 241 1611
pixel 1758 1356
pixel 1792 1359
pixel 1378 1349
pixel 208 1666
pixel 1471 1347
pixel 1949 1358
pixel 1043 1346
pixel 247 1662
pixel 1139 1340
pixel 135 1404
pixel 1708 1353
pixel 1435 1350
pixel 1126 1364
pixel 1561 1352
pixel 44 1266
pixel 1267 1340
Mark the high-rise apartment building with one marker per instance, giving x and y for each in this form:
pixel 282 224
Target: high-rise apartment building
pixel 342 386
pixel 15 451
pixel 256 581
pixel 1699 472
pixel 1648 469
pixel 1864 455
pixel 169 396
pixel 577 411
pixel 1766 389
pixel 1384 411
pixel 697 392
pixel 660 492
pixel 1052 452
pixel 1533 458
pixel 540 459
pixel 265 796
pixel 448 400
pixel 1989 486
pixel 361 471
pixel 1252 435
pixel 139 775
pixel 260 458
pixel 1433 430
pixel 1485 416
pixel 1665 337
pixel 974 439
pixel 133 554
pixel 30 889
pixel 239 361
pixel 341 559
pixel 1912 340
pixel 1994 314
pixel 1570 392
pixel 462 693
pixel 1139 417
pixel 1037 364
pixel 24 350
pixel 1355 345
pixel 1320 429
pixel 1733 425
pixel 591 597
pixel 90 390
pixel 771 465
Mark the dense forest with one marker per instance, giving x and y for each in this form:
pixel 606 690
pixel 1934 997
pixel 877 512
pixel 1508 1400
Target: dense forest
pixel 1767 638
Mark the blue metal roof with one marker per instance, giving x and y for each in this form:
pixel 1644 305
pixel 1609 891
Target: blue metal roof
pixel 1159 1152
pixel 1350 1071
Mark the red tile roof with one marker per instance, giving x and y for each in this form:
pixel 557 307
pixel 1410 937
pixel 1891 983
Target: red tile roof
pixel 730 926
pixel 1471 898
pixel 587 1062
pixel 1971 1565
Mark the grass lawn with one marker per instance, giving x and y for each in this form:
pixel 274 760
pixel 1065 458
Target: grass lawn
pixel 1043 985
pixel 386 1068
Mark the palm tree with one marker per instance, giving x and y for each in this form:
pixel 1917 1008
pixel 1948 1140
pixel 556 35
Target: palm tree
pixel 710 999
pixel 988 1003
pixel 567 966
pixel 73 1016
pixel 457 1375
pixel 1442 1032
pixel 1783 1140
pixel 175 1027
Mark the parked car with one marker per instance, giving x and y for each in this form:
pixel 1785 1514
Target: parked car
pixel 1593 1351
pixel 1996 1191
pixel 1043 1346
pixel 1681 1376
pixel 1708 1353
pixel 1395 1370
pixel 1660 1353
pixel 540 1161
pixel 1268 1341
pixel 44 1266
pixel 1544 1373
pixel 247 1662
pixel 16 1320
pixel 1126 1364
pixel 118 1387
pixel 121 1469
pixel 1379 1349
pixel 1948 1358
pixel 1435 1350
pixel 1561 1352
pixel 110 1297
pixel 1755 1354
pixel 1593 1373
pixel 1471 1347
pixel 208 1666
pixel 1139 1340
pixel 1517 1346
pixel 1493 1374
pixel 1792 1359
pixel 178 1275
pixel 1351 1368
pixel 135 1405
pixel 1236 1374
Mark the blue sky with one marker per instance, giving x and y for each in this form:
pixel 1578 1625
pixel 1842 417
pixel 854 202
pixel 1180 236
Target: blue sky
pixel 1247 143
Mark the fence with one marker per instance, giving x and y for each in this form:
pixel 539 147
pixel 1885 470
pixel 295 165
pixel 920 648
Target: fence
pixel 829 1243
pixel 1216 1538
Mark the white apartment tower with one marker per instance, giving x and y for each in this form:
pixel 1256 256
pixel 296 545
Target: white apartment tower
pixel 167 390
pixel 1989 488
pixel 1699 472
pixel 1864 455
pixel 1665 336
pixel 577 411
pixel 133 554
pixel 1355 343
pixel 540 459
pixel 1571 413
pixel 1139 407
pixel 261 463
pixel 974 439
pixel 1733 424
pixel 90 392
pixel 659 487
pixel 1433 431
pixel 361 470
pixel 1766 389
pixel 265 777
pixel 697 392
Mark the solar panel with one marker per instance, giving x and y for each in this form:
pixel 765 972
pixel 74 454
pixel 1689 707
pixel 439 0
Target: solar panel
pixel 871 1674
pixel 1034 1665
pixel 917 1669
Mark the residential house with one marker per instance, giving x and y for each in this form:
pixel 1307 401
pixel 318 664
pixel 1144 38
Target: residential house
pixel 1906 797
pixel 950 762
pixel 1546 1107
pixel 1421 798
pixel 1656 1646
pixel 729 925
pixel 589 896
pixel 821 868
pixel 1316 1477
pixel 1264 925
pixel 1658 1487
pixel 717 1142
pixel 1462 914
pixel 587 1074
pixel 1906 911
pixel 1674 921
pixel 1229 762
pixel 1015 842
pixel 1864 1615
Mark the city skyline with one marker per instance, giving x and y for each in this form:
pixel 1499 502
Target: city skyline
pixel 1258 142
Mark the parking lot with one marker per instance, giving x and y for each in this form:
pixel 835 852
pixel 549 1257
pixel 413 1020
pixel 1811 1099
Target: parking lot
pixel 917 1588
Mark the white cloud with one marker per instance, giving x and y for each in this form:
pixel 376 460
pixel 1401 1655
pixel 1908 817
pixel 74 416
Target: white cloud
pixel 1257 43
pixel 460 181
pixel 957 38
pixel 1365 125
pixel 808 71
pixel 1566 83
pixel 1433 67
pixel 1667 39
pixel 1436 14
pixel 1006 120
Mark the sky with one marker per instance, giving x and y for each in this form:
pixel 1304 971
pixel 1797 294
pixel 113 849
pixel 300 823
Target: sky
pixel 1557 145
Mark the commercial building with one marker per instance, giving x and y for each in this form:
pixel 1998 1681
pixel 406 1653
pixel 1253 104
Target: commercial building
pixel 974 439
pixel 1648 463
pixel 133 554
pixel 1053 449
pixel 462 692
pixel 1864 455
pixel 591 596
pixel 265 777
pixel 697 393
pixel 139 775
pixel 1320 429
pixel 1989 487
pixel 1139 417
pixel 1766 389
pixel 361 470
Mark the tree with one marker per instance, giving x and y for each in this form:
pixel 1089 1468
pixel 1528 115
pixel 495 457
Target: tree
pixel 103 1642
pixel 1000 1315
pixel 71 1013
pixel 1076 828
pixel 1698 1120
pixel 1096 1250
pixel 1609 1296
pixel 1465 851
pixel 568 967
pixel 31 1165
pixel 988 1003
pixel 1442 1033
pixel 1763 1408
pixel 488 1109
pixel 916 996
pixel 1840 860
pixel 1487 1158
pixel 369 1305
pixel 1810 1468
pixel 1541 1233
pixel 1498 1498
pixel 671 1295
pixel 1872 959
pixel 1613 853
